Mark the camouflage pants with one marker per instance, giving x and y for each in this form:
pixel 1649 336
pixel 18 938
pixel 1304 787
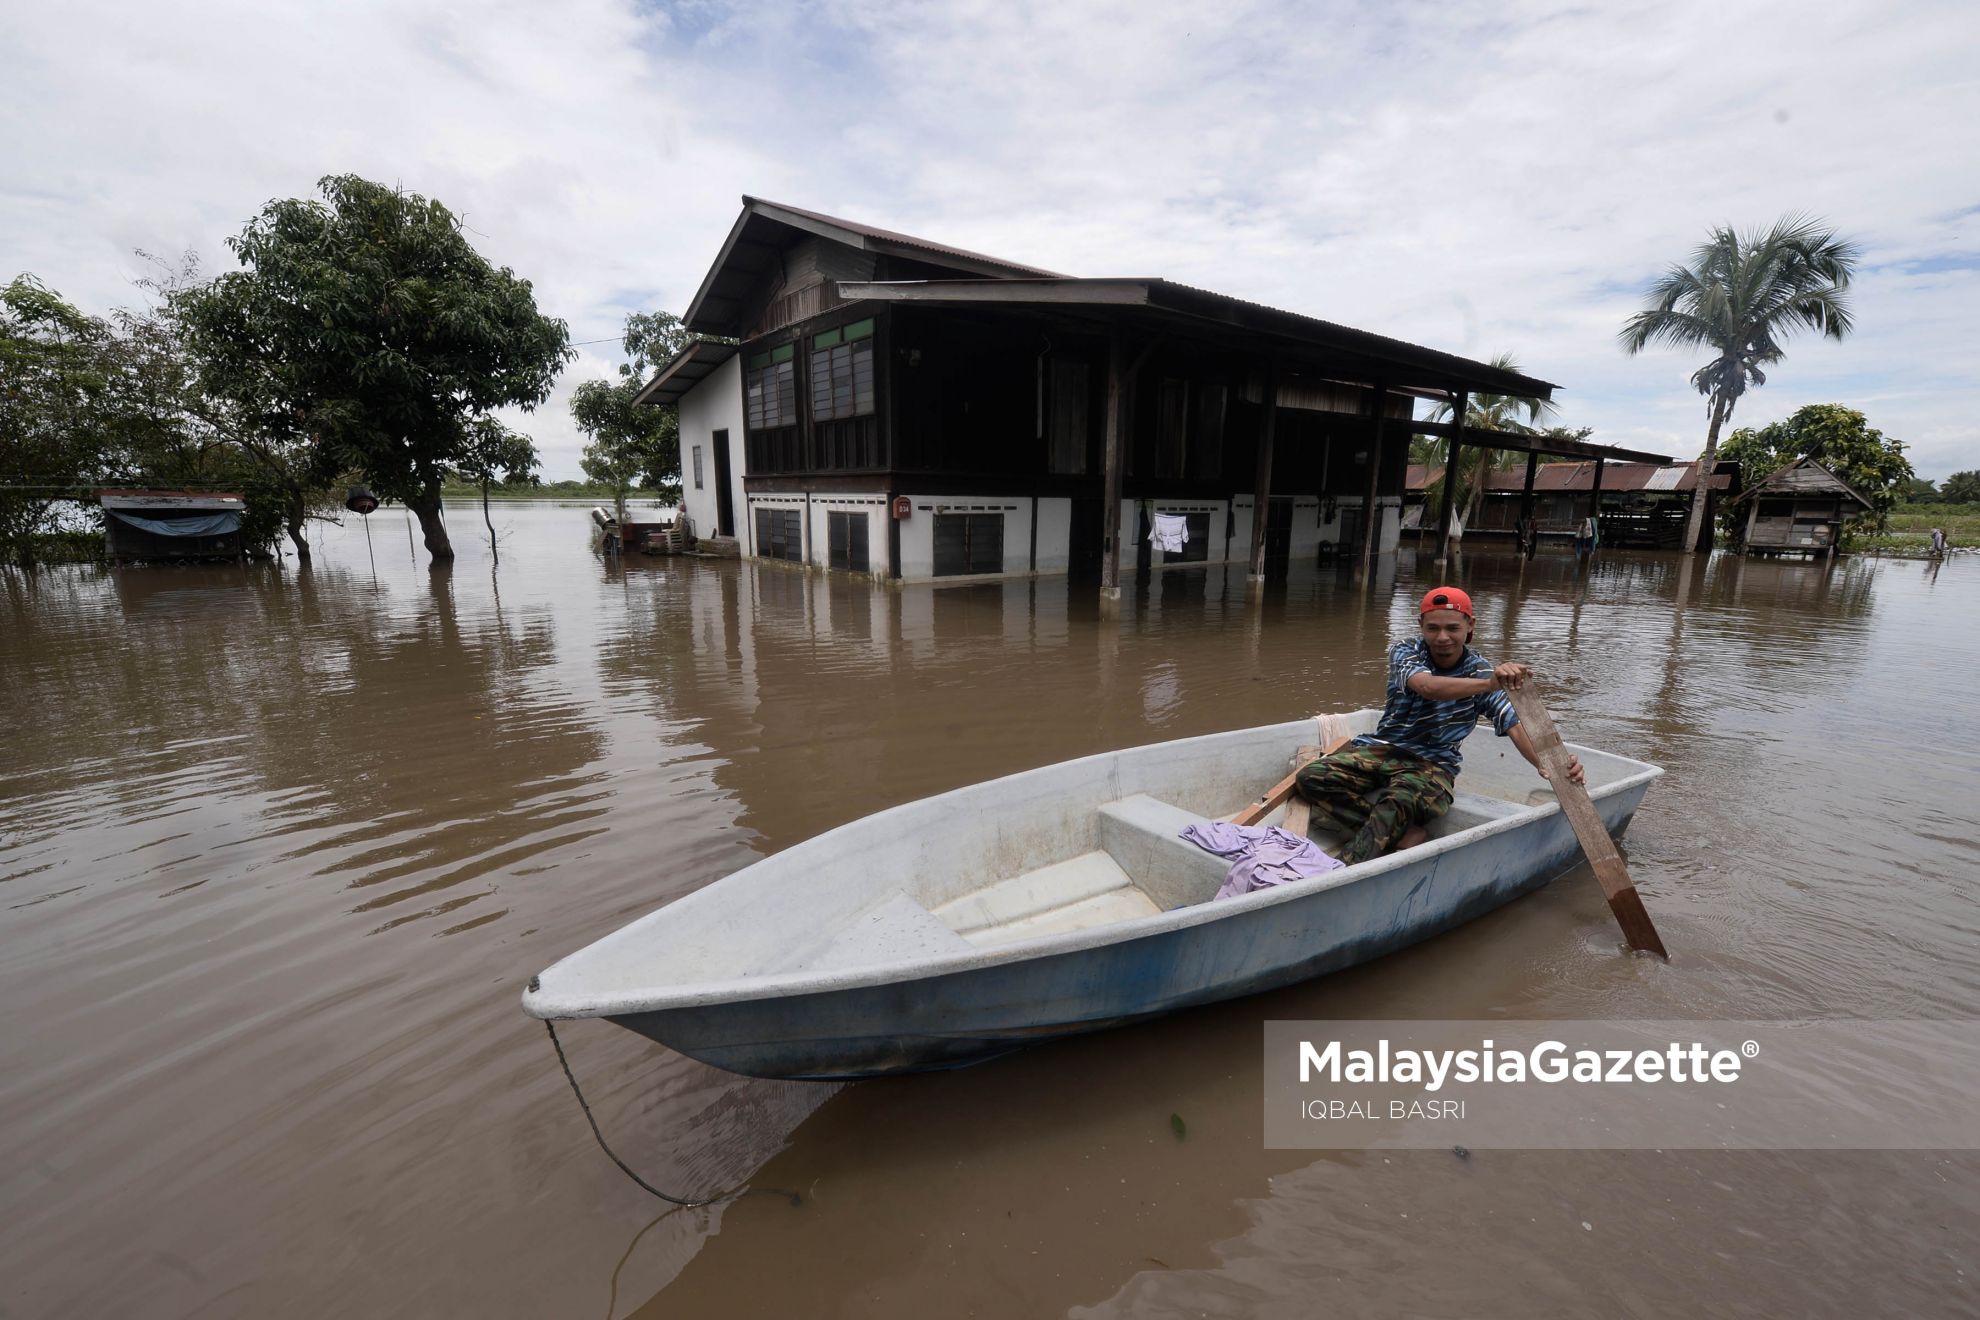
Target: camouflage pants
pixel 1373 795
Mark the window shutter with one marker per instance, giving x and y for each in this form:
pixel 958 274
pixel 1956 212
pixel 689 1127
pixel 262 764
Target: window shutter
pixel 951 544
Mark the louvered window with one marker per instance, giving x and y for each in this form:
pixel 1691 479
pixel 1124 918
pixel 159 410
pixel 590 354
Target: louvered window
pixel 846 533
pixel 968 543
pixel 780 534
pixel 842 372
pixel 772 389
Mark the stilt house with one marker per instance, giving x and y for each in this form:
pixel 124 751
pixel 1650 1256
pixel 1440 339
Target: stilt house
pixel 911 410
pixel 1800 510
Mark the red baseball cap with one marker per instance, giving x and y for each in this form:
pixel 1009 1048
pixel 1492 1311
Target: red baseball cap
pixel 1447 598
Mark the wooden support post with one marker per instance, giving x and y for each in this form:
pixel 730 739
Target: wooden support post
pixel 1526 505
pixel 1110 512
pixel 1370 524
pixel 1261 500
pixel 1579 808
pixel 1595 504
pixel 1459 402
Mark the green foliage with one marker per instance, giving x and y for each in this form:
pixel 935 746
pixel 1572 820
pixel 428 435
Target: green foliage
pixel 651 340
pixel 1741 297
pixel 1840 439
pixel 633 445
pixel 493 453
pixel 1920 491
pixel 1486 412
pixel 1961 488
pixel 366 333
pixel 57 373
pixel 71 545
pixel 171 433
pixel 1956 520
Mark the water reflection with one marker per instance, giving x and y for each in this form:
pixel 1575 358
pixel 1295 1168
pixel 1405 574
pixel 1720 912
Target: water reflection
pixel 277 849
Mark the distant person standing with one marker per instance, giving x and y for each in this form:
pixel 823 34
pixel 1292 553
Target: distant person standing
pixel 1938 542
pixel 1584 537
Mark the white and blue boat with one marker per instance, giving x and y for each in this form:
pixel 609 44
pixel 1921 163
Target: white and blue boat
pixel 1052 902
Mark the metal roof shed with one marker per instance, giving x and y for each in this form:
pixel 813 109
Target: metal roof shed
pixel 171 524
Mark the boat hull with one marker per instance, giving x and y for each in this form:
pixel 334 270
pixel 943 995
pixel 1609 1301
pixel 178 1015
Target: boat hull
pixel 952 1019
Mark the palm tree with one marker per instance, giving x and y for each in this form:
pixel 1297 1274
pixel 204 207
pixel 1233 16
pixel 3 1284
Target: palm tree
pixel 1490 412
pixel 1740 297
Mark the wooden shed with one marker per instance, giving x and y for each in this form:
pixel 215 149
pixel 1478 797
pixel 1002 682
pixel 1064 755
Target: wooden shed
pixel 1640 505
pixel 1799 510
pixel 171 524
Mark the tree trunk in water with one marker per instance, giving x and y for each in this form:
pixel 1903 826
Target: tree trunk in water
pixel 491 523
pixel 293 518
pixel 1699 493
pixel 426 507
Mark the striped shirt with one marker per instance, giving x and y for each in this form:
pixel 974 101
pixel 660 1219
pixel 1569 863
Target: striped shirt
pixel 1433 729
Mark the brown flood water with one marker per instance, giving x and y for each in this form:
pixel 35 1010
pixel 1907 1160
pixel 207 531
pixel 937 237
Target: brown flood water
pixel 278 851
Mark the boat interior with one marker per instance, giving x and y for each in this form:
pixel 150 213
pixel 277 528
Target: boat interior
pixel 1139 866
pixel 1045 853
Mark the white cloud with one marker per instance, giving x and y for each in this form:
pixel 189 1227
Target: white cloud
pixel 1474 178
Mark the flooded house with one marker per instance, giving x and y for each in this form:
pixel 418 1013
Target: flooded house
pixel 159 525
pixel 1638 504
pixel 1799 510
pixel 906 409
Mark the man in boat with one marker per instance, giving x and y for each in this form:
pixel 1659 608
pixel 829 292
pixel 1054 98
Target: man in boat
pixel 1382 788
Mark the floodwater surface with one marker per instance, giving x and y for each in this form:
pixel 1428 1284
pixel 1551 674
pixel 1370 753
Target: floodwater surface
pixel 279 850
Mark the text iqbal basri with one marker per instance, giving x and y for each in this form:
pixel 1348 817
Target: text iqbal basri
pixel 1549 1061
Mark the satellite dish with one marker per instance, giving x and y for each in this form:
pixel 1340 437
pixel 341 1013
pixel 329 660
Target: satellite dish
pixel 360 500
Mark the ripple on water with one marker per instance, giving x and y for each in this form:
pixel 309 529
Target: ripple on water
pixel 277 852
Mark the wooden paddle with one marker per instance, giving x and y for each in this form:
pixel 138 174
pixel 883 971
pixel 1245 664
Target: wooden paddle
pixel 1279 792
pixel 1579 808
pixel 1299 812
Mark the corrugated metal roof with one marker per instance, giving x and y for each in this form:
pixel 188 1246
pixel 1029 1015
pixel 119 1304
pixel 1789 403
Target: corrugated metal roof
pixel 187 500
pixel 1562 478
pixel 1804 476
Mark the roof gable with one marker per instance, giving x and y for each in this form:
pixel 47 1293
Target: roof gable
pixel 1805 476
pixel 757 241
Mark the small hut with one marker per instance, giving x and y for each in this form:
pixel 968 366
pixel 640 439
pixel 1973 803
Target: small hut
pixel 1799 510
pixel 171 524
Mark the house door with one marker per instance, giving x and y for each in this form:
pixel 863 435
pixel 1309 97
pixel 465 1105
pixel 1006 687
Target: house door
pixel 1083 552
pixel 1351 524
pixel 725 509
pixel 1278 536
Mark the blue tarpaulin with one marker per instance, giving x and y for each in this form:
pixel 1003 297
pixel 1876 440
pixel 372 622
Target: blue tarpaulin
pixel 207 524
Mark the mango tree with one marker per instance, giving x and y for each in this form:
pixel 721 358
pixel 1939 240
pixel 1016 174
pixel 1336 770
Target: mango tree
pixel 365 328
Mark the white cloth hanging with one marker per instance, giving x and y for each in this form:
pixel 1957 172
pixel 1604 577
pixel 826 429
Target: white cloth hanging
pixel 1171 532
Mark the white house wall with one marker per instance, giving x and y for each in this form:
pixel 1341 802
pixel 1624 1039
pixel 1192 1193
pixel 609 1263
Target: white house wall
pixel 1054 531
pixel 1309 531
pixel 714 404
pixel 872 506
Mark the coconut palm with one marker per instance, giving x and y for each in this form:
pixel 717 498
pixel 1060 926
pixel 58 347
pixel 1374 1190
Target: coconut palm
pixel 1489 412
pixel 1740 297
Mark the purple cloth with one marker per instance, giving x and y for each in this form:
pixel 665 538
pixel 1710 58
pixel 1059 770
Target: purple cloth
pixel 1259 856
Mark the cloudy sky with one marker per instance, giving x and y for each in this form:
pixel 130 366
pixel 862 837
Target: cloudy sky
pixel 1477 178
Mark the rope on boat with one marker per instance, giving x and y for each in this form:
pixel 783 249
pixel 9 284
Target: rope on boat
pixel 684 1202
